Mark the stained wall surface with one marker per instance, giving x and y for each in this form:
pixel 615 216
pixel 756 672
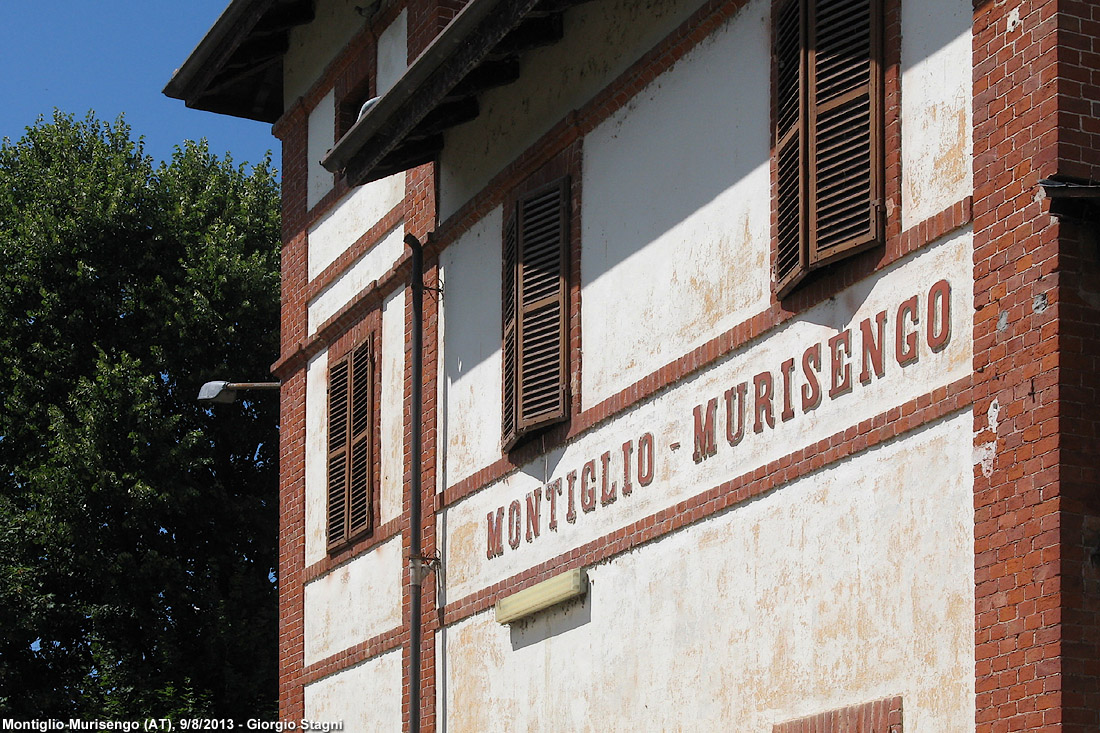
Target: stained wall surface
pixel 342 697
pixel 314 46
pixel 675 236
pixel 470 350
pixel 356 601
pixel 852 584
pixel 601 40
pixel 670 417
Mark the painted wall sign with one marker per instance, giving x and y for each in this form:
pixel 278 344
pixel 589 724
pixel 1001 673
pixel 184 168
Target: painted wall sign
pixel 593 485
pixel 827 369
pixel 880 346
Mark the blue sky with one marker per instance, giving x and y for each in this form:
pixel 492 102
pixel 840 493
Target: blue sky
pixel 114 56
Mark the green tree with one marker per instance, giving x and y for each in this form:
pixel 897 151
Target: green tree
pixel 137 529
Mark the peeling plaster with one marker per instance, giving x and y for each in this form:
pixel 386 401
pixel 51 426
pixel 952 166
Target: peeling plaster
pixel 353 602
pixel 986 453
pixel 1014 20
pixel 850 584
pixel 669 417
pixel 992 414
pixel 343 697
pixel 936 102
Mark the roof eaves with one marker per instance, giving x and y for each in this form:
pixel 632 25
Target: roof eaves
pixel 224 37
pixel 464 44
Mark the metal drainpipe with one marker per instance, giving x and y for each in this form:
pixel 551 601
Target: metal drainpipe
pixel 416 562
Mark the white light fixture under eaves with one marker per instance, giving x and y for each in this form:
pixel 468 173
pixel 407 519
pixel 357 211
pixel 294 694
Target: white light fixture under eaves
pixel 543 595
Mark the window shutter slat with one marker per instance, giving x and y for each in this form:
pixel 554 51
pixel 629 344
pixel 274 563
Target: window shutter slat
pixel 360 510
pixel 337 498
pixel 359 504
pixel 535 312
pixel 541 337
pixel 845 186
pixel 338 393
pixel 508 311
pixel 361 390
pixel 790 260
pixel 350 483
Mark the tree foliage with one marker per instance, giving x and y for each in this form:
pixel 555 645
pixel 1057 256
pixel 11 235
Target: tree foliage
pixel 137 528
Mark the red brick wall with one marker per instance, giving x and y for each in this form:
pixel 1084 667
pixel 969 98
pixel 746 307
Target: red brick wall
pixel 1079 420
pixel 426 19
pixel 292 130
pixel 1079 89
pixel 1079 365
pixel 882 716
pixel 1035 347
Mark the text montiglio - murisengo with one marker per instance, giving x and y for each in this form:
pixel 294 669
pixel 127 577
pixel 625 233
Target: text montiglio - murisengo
pixel 877 346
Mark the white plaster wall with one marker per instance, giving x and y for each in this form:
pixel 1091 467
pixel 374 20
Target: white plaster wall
pixel 321 131
pixel 314 45
pixel 601 40
pixel 669 417
pixel 393 53
pixel 676 210
pixel 316 501
pixel 936 102
pixel 470 376
pixel 392 407
pixel 373 264
pixel 846 586
pixel 366 697
pixel 350 219
pixel 354 602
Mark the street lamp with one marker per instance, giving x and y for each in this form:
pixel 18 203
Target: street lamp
pixel 226 392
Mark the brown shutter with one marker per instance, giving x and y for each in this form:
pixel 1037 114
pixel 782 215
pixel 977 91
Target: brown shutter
pixel 790 256
pixel 845 127
pixel 360 511
pixel 541 338
pixel 350 446
pixel 508 314
pixel 338 392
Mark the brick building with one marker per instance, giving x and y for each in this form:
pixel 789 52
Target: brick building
pixel 750 382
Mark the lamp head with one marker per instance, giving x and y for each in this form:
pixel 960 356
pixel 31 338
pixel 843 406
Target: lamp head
pixel 217 393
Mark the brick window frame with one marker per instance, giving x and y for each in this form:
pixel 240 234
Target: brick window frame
pixel 880 716
pixel 851 110
pixel 352 465
pixel 558 179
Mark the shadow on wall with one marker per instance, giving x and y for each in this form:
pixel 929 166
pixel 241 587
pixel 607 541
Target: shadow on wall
pixel 675 236
pixel 551 623
pixel 637 193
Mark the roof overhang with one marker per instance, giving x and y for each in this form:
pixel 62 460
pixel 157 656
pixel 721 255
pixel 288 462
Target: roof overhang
pixel 237 68
pixel 478 50
pixel 1072 198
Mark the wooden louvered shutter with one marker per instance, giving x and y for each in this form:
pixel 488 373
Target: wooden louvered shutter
pixel 536 313
pixel 844 74
pixel 790 261
pixel 360 463
pixel 338 394
pixel 541 339
pixel 350 447
pixel 508 313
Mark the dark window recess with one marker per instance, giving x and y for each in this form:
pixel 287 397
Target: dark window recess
pixel 828 133
pixel 350 446
pixel 535 312
pixel 350 106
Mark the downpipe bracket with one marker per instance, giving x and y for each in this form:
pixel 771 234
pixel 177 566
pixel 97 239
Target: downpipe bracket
pixel 420 566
